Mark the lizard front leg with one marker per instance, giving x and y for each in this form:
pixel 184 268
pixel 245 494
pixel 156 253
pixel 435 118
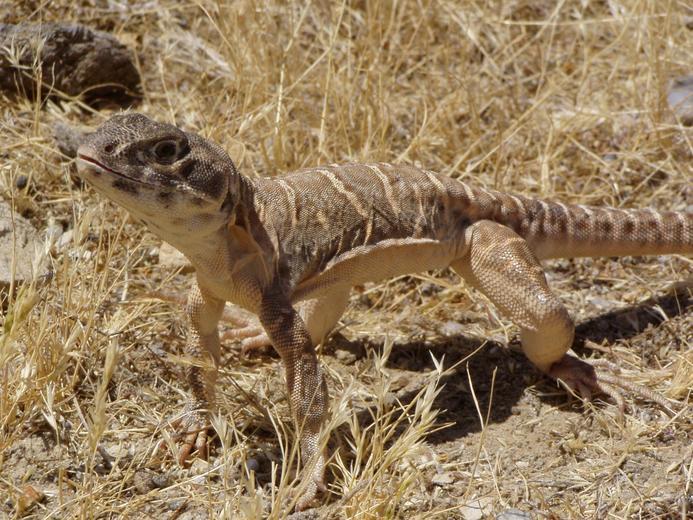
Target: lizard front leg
pixel 305 383
pixel 501 265
pixel 203 313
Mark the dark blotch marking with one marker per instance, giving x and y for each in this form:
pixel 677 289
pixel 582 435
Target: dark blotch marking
pixel 212 184
pixel 460 218
pixel 628 226
pixel 607 226
pixel 679 230
pixel 128 187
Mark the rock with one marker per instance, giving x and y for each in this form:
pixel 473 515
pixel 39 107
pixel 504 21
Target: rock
pixel 451 329
pixel 513 514
pixel 252 465
pixel 477 508
pixel 74 60
pixel 680 98
pixel 21 182
pixel 345 356
pixel 30 260
pixel 443 479
pixel 173 259
pixel 68 138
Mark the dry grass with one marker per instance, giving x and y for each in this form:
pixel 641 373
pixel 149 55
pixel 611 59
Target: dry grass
pixel 558 99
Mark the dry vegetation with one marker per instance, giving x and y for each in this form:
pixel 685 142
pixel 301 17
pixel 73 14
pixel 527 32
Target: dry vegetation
pixel 559 99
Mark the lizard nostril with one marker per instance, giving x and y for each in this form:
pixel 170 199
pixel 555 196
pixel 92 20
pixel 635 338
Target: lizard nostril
pixel 109 148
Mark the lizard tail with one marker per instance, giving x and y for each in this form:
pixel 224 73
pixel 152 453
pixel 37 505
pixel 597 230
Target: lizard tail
pixel 559 230
pixel 556 230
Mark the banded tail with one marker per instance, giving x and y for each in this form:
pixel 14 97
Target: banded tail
pixel 556 230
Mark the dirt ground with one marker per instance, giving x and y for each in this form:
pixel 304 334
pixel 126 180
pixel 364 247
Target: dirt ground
pixel 436 413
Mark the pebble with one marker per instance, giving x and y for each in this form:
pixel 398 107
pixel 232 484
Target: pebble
pixel 680 98
pixel 513 514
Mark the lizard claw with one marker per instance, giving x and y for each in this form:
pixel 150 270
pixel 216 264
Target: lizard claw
pixel 192 428
pixel 584 377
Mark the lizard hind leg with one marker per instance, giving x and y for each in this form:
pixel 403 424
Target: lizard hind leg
pixel 501 265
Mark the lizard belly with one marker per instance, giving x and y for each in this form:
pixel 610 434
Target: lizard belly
pixel 385 259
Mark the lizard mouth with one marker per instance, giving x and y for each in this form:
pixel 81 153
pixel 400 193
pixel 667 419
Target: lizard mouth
pixel 100 166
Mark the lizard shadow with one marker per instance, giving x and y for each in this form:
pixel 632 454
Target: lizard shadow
pixel 410 361
pixel 632 320
pixel 513 372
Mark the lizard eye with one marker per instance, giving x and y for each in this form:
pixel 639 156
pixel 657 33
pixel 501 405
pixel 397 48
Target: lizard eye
pixel 166 151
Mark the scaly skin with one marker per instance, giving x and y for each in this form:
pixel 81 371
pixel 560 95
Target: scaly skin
pixel 290 249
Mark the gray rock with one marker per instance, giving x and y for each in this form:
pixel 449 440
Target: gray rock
pixel 30 262
pixel 513 514
pixel 680 98
pixel 75 60
pixel 68 138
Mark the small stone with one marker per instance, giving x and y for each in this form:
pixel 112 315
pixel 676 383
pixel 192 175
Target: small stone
pixel 21 182
pixel 161 480
pixel 443 479
pixel 680 98
pixel 68 137
pixel 345 356
pixel 477 508
pixel 199 466
pixel 601 303
pixel 451 328
pixel 513 514
pixel 200 469
pixel 142 481
pixel 252 465
pixel 177 504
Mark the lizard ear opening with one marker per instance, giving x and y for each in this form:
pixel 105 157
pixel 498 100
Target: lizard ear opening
pixel 229 202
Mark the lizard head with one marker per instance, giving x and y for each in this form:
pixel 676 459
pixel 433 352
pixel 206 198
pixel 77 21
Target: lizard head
pixel 158 172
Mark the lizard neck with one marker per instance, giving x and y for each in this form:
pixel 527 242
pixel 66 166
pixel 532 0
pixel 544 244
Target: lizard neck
pixel 212 239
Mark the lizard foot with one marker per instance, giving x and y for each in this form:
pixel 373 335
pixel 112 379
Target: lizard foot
pixel 306 500
pixel 248 330
pixel 253 339
pixel 585 377
pixel 192 427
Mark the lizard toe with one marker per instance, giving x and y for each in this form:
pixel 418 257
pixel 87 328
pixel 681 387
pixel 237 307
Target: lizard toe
pixel 257 344
pixel 193 428
pixel 585 377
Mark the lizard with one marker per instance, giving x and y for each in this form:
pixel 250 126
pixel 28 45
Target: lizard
pixel 289 249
